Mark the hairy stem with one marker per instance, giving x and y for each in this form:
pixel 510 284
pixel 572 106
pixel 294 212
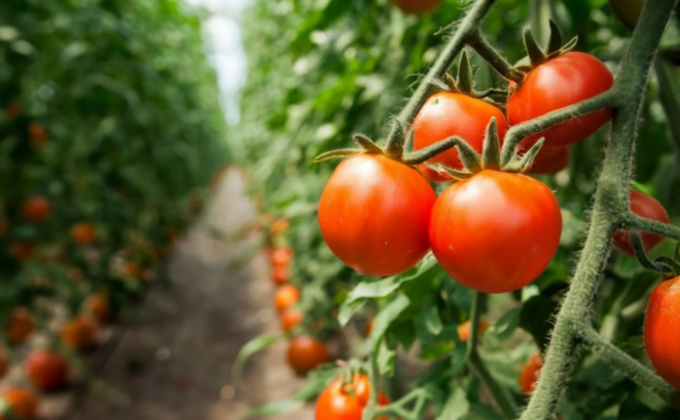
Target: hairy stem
pixel 495 60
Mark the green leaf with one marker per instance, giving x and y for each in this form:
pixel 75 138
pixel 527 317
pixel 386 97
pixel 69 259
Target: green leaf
pixel 347 310
pixel 386 360
pixel 459 358
pixel 456 405
pixel 506 325
pixel 536 55
pixel 429 320
pixel 253 346
pixel 388 314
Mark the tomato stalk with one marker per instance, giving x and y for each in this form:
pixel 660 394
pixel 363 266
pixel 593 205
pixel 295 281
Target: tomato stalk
pixel 477 41
pixel 397 409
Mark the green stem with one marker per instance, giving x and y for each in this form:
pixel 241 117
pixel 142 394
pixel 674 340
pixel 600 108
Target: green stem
pixel 495 60
pixel 373 376
pixel 668 88
pixel 633 221
pixel 500 394
pixel 469 24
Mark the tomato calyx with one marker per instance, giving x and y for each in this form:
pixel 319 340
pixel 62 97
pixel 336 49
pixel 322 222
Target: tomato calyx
pixel 463 83
pixel 668 267
pixel 536 55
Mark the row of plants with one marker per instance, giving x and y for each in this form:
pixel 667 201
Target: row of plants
pixel 110 129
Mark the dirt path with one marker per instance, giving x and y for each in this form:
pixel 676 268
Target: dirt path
pixel 173 363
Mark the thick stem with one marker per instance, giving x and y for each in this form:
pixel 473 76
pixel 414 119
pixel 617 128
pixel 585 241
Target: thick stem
pixel 633 221
pixel 495 60
pixel 469 24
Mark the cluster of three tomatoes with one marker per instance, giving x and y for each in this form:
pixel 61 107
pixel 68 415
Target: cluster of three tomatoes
pixel 495 231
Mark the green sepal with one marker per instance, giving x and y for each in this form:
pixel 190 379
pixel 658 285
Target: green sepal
pixel 469 156
pixel 565 48
pixel 465 83
pixel 337 154
pixel 536 55
pixel 496 95
pixel 450 82
pixel 524 163
pixel 491 149
pixel 366 144
pixel 453 173
pixel 431 151
pixel 555 41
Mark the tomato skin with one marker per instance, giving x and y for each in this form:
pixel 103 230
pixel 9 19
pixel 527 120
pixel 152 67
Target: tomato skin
pixel 550 160
pixel 281 256
pixel 464 329
pixel 291 318
pixel 81 334
pixel 20 325
pixel 280 275
pixel 374 214
pixel 528 376
pixel 447 114
pixel 83 233
pixel 562 81
pixel 338 402
pixel 662 331
pixel 98 306
pixel 36 209
pixel 417 7
pixel 46 370
pixel 23 404
pixel 645 206
pixel 306 353
pixel 495 232
pixel 286 296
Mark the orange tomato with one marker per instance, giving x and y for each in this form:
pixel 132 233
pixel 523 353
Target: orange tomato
pixel 662 331
pixel 280 256
pixel 286 296
pixel 291 318
pixel 340 401
pixel 80 333
pixel 133 270
pixel 46 370
pixel 20 325
pixel 36 209
pixel 306 353
pixel 280 275
pixel 528 376
pixel 83 233
pixel 21 250
pixel 98 306
pixel 37 134
pixel 22 404
pixel 464 329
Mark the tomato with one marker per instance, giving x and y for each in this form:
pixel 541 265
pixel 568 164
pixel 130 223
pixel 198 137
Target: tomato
pixel 37 134
pixel 447 114
pixel 495 231
pixel 417 7
pixel 4 363
pixel 21 250
pixel 133 270
pixel 628 11
pixel 550 160
pixel 528 376
pixel 22 404
pixel 46 369
pixel 98 306
pixel 369 326
pixel 340 401
pixel 291 318
pixel 83 233
pixel 662 330
pixel 374 214
pixel 278 227
pixel 36 209
pixel 464 329
pixel 19 326
pixel 280 275
pixel 286 296
pixel 562 81
pixel 281 255
pixel 647 207
pixel 306 353
pixel 81 333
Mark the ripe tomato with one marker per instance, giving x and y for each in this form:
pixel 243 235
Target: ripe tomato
pixel 280 256
pixel 662 330
pixel 98 306
pixel 346 401
pixel 4 364
pixel 22 404
pixel 528 376
pixel 280 274
pixel 306 353
pixel 562 81
pixel 417 7
pixel 133 270
pixel 550 160
pixel 495 232
pixel 81 334
pixel 464 329
pixel 286 296
pixel 83 233
pixel 20 325
pixel 46 369
pixel 278 227
pixel 647 207
pixel 36 209
pixel 447 114
pixel 22 251
pixel 291 318
pixel 37 134
pixel 374 213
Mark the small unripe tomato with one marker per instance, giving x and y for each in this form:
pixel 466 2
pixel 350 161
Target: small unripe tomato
pixel 306 353
pixel 36 209
pixel 20 325
pixel 647 207
pixel 528 376
pixel 291 318
pixel 662 331
pixel 80 334
pixel 464 329
pixel 46 370
pixel 83 233
pixel 22 404
pixel 417 7
pixel 286 296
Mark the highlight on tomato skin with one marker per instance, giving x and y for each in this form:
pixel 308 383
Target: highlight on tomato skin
pixel 662 331
pixel 495 232
pixel 565 80
pixel 644 206
pixel 374 214
pixel 447 114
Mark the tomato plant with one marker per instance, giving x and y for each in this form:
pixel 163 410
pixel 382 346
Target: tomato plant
pixel 306 353
pixel 346 401
pixel 647 207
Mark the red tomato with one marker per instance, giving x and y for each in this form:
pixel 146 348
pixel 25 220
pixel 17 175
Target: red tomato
pixel 286 296
pixel 346 402
pixel 46 370
pixel 281 255
pixel 550 160
pixel 528 376
pixel 20 325
pixel 38 135
pixel 36 209
pixel 306 353
pixel 98 306
pixel 21 250
pixel 662 331
pixel 417 7
pixel 464 329
pixel 22 404
pixel 291 318
pixel 562 81
pixel 495 232
pixel 4 363
pixel 83 233
pixel 647 207
pixel 374 214
pixel 280 275
pixel 447 114
pixel 81 334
